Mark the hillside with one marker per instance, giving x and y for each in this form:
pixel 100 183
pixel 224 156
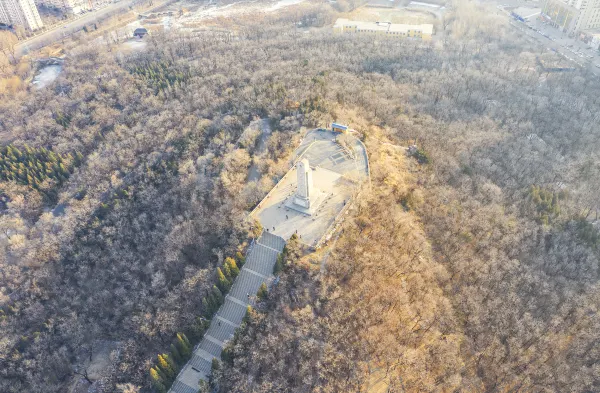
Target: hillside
pixel 471 267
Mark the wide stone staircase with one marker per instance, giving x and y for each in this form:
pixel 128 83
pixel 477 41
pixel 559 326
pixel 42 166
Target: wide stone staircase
pixel 258 268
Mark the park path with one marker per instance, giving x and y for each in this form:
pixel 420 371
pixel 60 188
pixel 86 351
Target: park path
pixel 265 129
pixel 258 268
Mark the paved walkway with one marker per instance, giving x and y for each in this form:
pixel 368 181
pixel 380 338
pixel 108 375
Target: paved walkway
pixel 257 269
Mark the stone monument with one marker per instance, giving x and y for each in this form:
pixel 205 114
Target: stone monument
pixel 307 197
pixel 305 184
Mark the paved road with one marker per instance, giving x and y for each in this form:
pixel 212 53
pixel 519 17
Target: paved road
pixel 554 40
pixel 571 49
pixel 69 28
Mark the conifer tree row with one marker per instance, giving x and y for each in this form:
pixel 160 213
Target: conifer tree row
pixel 161 75
pixel 33 166
pixel 168 365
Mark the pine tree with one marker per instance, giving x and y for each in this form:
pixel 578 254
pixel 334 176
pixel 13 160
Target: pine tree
pixel 217 294
pixel 206 306
pixel 227 272
pixel 165 367
pixel 215 365
pixel 240 259
pixel 278 264
pixel 222 281
pixel 263 292
pixel 171 362
pixel 235 271
pixel 183 346
pixel 175 354
pixel 157 380
pixel 248 316
pixel 185 339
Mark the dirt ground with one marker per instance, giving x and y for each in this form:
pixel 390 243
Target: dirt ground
pixel 186 15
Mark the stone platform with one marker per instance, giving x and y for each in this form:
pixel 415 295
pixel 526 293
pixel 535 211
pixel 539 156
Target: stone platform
pixel 316 200
pixel 336 172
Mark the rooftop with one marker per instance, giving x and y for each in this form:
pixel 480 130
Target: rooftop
pixel 383 26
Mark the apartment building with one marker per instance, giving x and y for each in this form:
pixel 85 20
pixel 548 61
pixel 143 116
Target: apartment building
pixel 384 29
pixel 20 13
pixel 572 16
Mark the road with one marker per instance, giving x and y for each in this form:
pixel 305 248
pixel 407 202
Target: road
pixel 71 27
pixel 571 49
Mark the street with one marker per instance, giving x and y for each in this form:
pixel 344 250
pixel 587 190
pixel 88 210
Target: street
pixel 571 49
pixel 69 28
pixel 556 41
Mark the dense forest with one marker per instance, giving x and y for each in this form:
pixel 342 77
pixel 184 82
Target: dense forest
pixel 471 267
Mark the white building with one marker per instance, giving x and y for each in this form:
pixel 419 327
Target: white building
pixel 20 13
pixel 387 29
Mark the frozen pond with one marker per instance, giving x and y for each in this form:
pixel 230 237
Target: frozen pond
pixel 46 76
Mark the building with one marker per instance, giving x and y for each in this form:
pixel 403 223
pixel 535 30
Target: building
pixel 72 6
pixel 20 13
pixel 572 16
pixel 140 32
pixel 384 29
pixel 335 127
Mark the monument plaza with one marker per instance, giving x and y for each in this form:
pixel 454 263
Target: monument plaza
pixel 326 174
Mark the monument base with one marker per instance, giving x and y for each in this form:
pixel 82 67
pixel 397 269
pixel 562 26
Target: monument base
pixel 303 202
pixel 316 199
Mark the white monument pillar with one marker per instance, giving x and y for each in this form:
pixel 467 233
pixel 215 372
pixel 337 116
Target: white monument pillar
pixel 305 184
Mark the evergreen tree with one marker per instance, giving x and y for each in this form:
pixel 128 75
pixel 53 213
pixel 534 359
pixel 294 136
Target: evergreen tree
pixel 240 259
pixel 218 295
pixel 171 363
pixel 183 346
pixel 263 292
pixel 215 365
pixel 157 380
pixel 278 264
pixel 206 306
pixel 165 367
pixel 227 272
pixel 227 354
pixel 185 339
pixel 248 315
pixel 222 281
pixel 175 354
pixel 230 262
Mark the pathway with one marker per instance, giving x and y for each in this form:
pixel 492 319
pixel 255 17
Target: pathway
pixel 257 269
pixel 265 129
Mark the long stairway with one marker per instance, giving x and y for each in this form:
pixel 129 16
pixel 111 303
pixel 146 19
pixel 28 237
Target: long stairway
pixel 257 269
